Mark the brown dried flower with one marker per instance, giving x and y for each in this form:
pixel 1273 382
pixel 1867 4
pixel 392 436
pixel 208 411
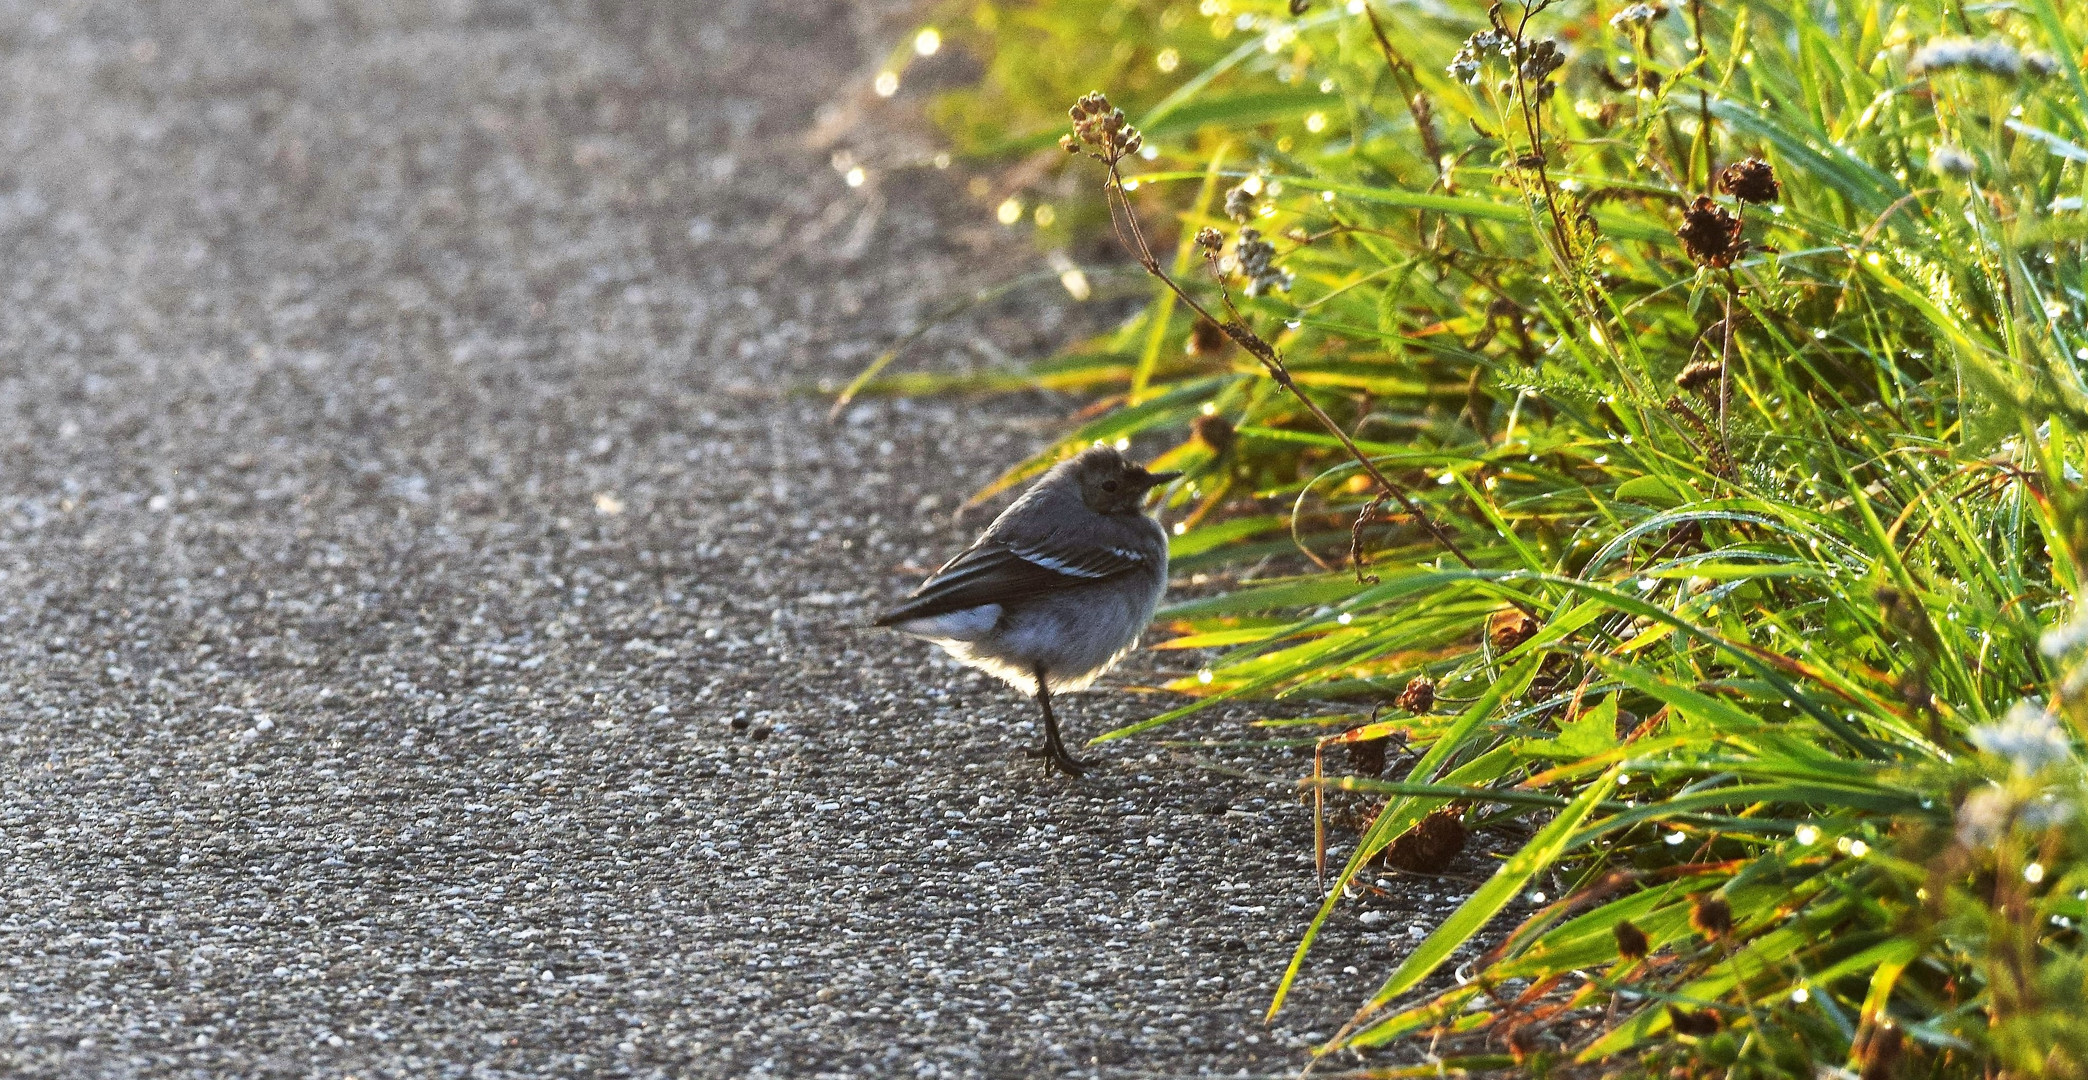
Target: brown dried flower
pixel 1699 1024
pixel 1419 695
pixel 1750 181
pixel 1215 432
pixel 1710 234
pixel 1367 756
pixel 1631 941
pixel 1205 339
pixel 1711 915
pixel 1429 846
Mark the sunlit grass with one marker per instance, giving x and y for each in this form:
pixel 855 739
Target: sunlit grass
pixel 1794 522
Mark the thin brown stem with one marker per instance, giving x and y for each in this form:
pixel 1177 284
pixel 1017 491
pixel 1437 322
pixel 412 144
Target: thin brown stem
pixel 1236 328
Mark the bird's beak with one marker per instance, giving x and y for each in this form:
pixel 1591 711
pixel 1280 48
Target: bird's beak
pixel 1155 479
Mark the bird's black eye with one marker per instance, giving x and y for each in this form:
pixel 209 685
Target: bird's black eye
pixel 1109 485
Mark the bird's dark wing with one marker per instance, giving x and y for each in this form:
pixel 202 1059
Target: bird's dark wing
pixel 1000 572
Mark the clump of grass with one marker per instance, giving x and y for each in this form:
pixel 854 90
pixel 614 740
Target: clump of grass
pixel 1692 400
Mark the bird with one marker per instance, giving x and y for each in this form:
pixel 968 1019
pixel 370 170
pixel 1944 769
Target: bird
pixel 1056 590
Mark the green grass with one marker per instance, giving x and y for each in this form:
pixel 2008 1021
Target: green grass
pixel 1785 624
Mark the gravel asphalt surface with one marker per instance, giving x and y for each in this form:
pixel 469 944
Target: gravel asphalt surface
pixel 425 601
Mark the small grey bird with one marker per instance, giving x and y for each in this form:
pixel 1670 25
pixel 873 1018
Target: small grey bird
pixel 1056 590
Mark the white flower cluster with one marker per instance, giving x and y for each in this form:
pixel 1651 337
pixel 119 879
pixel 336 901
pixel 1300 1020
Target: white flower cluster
pixel 1637 15
pixel 2029 738
pixel 1992 55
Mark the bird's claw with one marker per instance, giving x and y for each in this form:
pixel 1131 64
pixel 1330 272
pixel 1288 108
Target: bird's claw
pixel 1056 759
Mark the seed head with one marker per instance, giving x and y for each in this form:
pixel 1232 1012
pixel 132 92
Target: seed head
pixel 1214 431
pixel 1541 59
pixel 1710 234
pixel 1711 915
pixel 1252 255
pixel 1367 756
pixel 1700 377
pixel 1210 239
pixel 1206 339
pixel 1631 941
pixel 1699 1024
pixel 1750 181
pixel 1419 695
pixel 1429 846
pixel 1102 128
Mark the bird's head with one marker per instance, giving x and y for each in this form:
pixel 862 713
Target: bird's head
pixel 1110 483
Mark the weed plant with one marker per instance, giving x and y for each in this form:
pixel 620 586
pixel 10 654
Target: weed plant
pixel 1663 427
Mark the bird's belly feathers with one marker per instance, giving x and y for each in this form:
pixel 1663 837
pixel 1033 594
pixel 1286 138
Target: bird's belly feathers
pixel 1075 635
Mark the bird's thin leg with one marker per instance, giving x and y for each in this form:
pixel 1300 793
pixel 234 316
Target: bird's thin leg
pixel 1054 749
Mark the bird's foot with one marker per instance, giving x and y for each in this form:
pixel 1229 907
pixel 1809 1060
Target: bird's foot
pixel 1056 759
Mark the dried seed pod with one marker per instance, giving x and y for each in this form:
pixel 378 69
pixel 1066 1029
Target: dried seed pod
pixel 1367 756
pixel 1711 915
pixel 1206 339
pixel 1750 181
pixel 1419 695
pixel 1631 941
pixel 1710 234
pixel 1431 845
pixel 1699 1024
pixel 1209 240
pixel 1215 432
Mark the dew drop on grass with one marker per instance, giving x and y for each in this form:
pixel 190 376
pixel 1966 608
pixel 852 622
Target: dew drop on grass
pixel 2033 873
pixel 1204 676
pixel 1806 834
pixel 1674 838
